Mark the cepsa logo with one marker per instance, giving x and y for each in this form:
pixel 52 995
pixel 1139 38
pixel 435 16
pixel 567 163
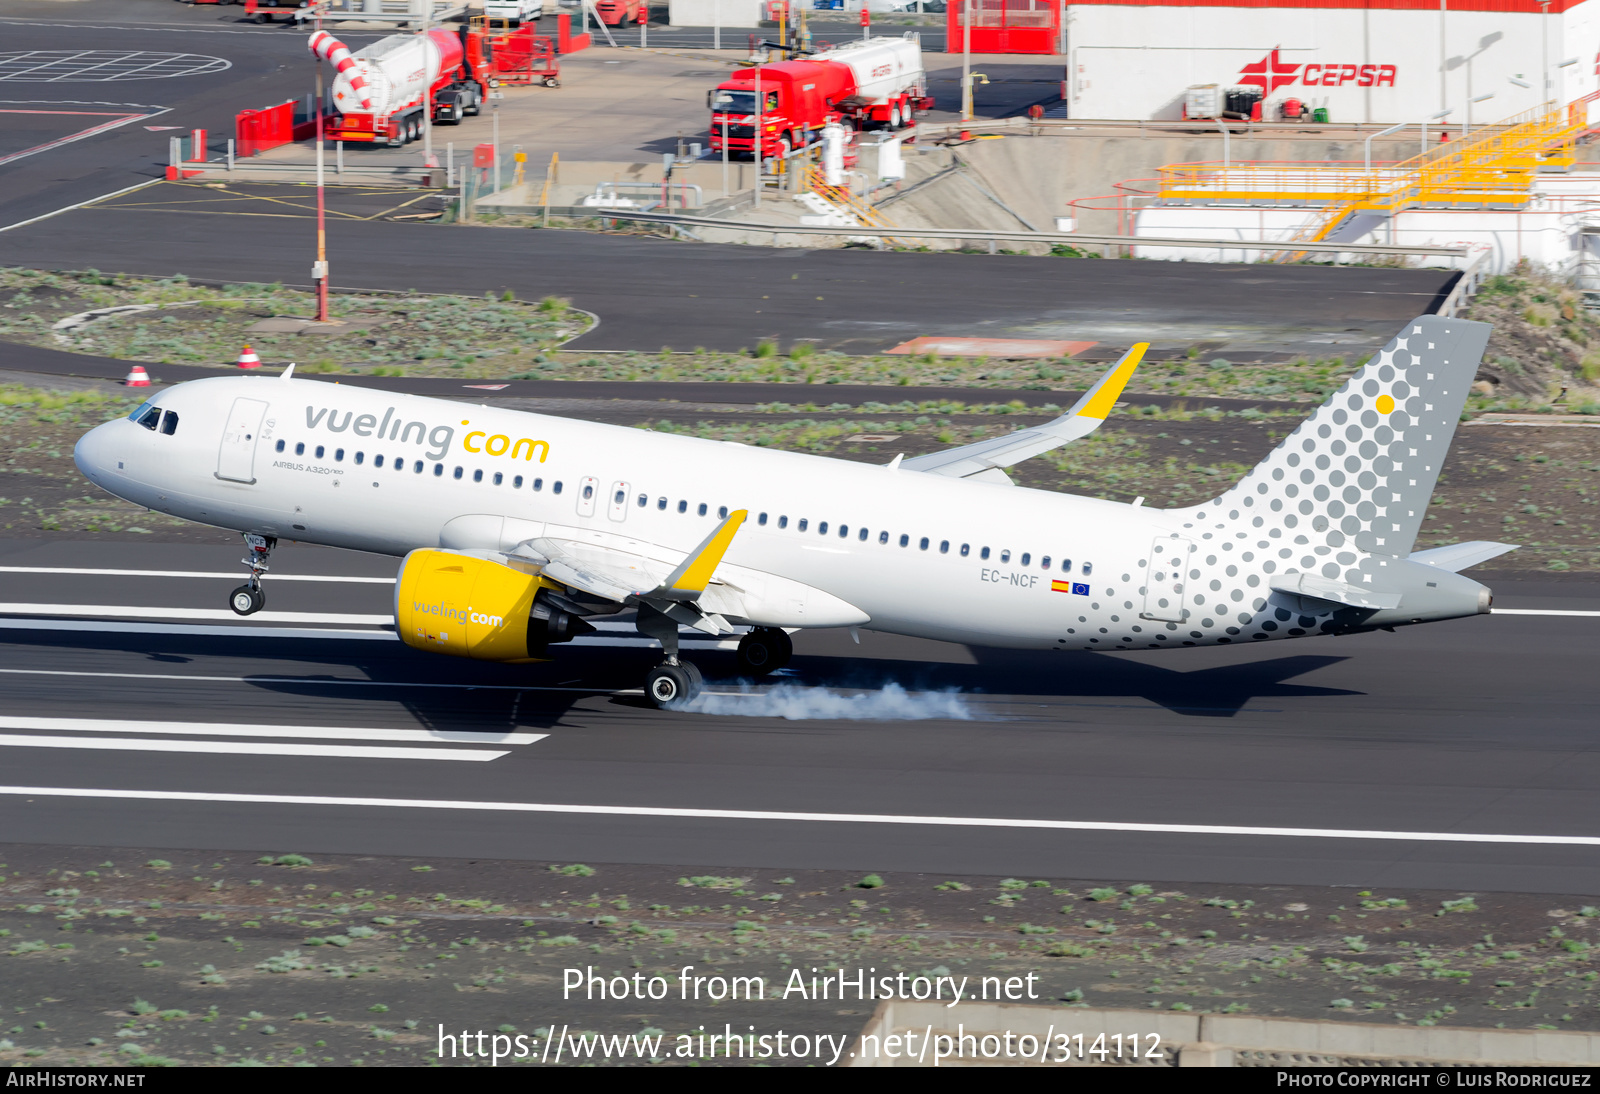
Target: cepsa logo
pixel 1269 74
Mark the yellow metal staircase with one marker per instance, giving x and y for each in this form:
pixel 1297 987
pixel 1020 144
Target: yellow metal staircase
pixel 1493 167
pixel 841 198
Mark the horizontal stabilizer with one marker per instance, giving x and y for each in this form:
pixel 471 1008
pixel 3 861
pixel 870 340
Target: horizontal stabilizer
pixel 1085 416
pixel 1462 556
pixel 1333 591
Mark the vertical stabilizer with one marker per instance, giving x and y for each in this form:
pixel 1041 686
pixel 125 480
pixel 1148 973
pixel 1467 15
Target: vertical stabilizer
pixel 1363 467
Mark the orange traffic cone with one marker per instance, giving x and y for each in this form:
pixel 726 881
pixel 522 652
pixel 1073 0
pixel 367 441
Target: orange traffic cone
pixel 137 377
pixel 249 359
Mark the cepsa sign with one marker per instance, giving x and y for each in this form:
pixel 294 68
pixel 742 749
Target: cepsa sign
pixel 1269 74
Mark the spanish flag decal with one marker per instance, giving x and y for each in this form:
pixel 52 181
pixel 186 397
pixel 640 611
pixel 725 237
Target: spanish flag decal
pixel 1061 586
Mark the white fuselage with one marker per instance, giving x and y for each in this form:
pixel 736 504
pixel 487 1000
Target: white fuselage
pixel 918 554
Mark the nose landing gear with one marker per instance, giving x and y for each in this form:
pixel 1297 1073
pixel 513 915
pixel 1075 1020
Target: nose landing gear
pixel 250 598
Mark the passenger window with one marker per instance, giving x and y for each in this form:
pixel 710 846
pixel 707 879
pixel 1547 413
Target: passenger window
pixel 1088 568
pixel 802 525
pixel 762 519
pixel 555 487
pixel 923 545
pixel 905 541
pixel 477 475
pixel 1044 563
pixel 499 478
pixel 822 528
pixel 1025 557
pixel 643 501
pixel 862 536
pixel 683 506
pixel 966 549
pixel 516 483
pixel 300 448
pixel 722 512
pixel 377 461
pixel 459 471
pixel 338 455
pixel 320 451
pixel 984 553
pixel 844 531
pixel 437 468
pixel 279 448
pixel 588 491
pixel 361 458
pixel 538 484
pixel 169 423
pixel 1066 565
pixel 783 522
pixel 661 504
pixel 944 546
pixel 883 537
pixel 1005 556
pixel 702 509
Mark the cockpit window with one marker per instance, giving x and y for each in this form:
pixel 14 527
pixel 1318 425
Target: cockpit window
pixel 169 423
pixel 148 415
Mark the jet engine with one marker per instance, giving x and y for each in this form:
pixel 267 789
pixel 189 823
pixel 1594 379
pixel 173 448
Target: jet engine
pixel 468 606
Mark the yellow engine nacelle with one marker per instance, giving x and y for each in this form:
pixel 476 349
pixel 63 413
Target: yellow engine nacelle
pixel 466 606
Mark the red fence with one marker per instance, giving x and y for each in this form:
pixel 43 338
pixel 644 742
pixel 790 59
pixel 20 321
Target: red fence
pixel 259 130
pixel 1005 26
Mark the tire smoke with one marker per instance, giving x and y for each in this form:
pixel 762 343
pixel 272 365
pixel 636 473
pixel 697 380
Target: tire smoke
pixel 892 702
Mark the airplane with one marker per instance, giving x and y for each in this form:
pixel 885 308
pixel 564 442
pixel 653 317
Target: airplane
pixel 515 529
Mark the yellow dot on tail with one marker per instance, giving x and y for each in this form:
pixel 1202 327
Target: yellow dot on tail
pixel 1385 404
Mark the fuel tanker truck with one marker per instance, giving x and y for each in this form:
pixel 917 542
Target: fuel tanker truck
pixel 381 90
pixel 873 84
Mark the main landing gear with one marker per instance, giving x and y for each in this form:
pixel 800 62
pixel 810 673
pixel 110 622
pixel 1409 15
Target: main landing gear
pixel 673 681
pixel 764 650
pixel 249 598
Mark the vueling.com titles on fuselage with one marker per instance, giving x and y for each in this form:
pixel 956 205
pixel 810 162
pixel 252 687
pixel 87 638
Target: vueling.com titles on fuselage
pixel 438 438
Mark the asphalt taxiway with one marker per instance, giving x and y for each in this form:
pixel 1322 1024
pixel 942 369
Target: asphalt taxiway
pixel 138 712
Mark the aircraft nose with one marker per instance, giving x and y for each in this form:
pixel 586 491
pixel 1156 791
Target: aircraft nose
pixel 92 451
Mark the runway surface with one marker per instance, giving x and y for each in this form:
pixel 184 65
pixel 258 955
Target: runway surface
pixel 653 293
pixel 138 712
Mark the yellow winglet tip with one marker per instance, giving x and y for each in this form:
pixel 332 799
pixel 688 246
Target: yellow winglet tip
pixel 697 574
pixel 1110 389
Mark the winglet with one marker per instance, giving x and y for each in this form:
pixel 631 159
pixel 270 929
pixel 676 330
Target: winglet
pixel 288 372
pixel 1098 400
pixel 692 576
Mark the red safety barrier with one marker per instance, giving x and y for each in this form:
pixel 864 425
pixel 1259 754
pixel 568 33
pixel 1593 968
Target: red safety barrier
pixel 566 41
pixel 259 130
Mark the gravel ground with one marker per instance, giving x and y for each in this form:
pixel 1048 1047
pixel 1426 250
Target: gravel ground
pixel 116 956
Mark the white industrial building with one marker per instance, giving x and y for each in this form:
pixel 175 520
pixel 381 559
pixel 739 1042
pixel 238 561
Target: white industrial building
pixel 1390 61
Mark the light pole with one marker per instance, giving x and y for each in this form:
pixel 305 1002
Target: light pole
pixel 1433 118
pixel 1444 93
pixel 1544 50
pixel 1479 99
pixel 1366 158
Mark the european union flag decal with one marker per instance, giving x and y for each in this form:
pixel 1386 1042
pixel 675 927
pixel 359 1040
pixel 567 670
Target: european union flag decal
pixel 1079 589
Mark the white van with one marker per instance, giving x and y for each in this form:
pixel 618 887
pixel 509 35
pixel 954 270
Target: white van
pixel 515 11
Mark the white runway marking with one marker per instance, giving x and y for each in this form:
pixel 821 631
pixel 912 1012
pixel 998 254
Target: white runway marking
pixel 238 575
pixel 252 748
pixel 233 729
pixel 311 680
pixel 1540 611
pixel 776 815
pixel 194 630
pixel 131 611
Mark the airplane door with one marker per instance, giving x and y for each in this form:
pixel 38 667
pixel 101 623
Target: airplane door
pixel 619 501
pixel 588 489
pixel 236 459
pixel 1165 580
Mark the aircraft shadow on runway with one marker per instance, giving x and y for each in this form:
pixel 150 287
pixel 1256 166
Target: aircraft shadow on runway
pixel 293 668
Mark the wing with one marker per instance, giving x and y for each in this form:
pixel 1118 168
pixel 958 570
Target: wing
pixel 981 457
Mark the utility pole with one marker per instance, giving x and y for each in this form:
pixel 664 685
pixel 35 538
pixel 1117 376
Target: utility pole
pixel 755 145
pixel 319 271
pixel 966 60
pixel 1444 92
pixel 1544 52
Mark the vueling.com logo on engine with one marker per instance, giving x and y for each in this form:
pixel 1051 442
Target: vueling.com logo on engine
pixel 459 615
